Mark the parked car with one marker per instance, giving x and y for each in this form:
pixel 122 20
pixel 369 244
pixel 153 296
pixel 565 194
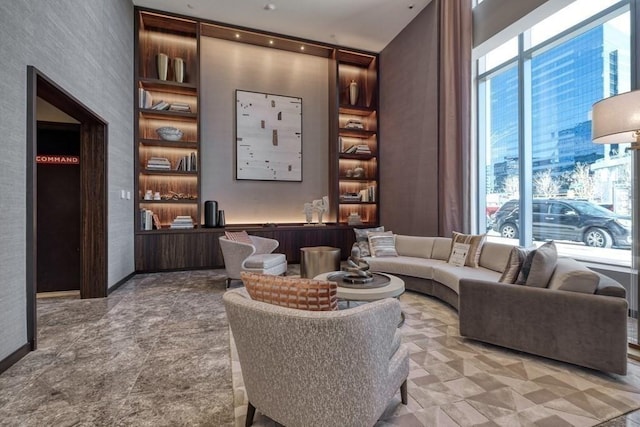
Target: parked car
pixel 566 219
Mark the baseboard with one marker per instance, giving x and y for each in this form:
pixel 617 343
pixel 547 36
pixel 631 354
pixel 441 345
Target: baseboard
pixel 8 361
pixel 634 352
pixel 120 282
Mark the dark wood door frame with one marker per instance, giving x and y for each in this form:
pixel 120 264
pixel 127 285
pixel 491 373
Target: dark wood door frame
pixel 93 192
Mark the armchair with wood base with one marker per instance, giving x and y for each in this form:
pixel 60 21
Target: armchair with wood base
pixel 256 257
pixel 318 368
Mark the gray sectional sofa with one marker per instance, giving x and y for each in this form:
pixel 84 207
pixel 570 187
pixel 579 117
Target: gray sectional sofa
pixel 580 317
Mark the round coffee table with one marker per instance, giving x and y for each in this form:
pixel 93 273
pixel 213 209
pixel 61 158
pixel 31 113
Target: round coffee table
pixel 394 289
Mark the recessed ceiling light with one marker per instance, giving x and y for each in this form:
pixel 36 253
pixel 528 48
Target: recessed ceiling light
pixel 269 6
pixel 301 47
pixel 237 35
pixel 270 41
pixel 411 6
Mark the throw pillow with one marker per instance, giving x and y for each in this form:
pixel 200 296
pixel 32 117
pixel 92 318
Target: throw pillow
pixel 517 257
pixel 238 236
pixel 475 243
pixel 538 268
pixel 382 244
pixel 362 239
pixel 292 292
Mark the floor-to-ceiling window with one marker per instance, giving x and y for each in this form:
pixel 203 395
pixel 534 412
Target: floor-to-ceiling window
pixel 536 154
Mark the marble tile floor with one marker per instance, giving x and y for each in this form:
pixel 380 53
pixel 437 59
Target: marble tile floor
pixel 155 352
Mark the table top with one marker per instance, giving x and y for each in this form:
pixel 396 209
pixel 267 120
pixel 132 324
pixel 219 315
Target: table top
pixel 395 288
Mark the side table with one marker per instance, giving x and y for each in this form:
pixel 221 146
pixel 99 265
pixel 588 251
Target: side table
pixel 315 260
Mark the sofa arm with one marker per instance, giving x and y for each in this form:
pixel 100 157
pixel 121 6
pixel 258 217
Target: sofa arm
pixel 264 245
pixel 584 329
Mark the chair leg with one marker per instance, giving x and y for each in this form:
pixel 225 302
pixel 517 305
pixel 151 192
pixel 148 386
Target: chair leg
pixel 403 392
pixel 228 283
pixel 251 412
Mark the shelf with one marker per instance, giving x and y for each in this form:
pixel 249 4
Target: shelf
pixel 354 110
pixel 168 86
pixel 358 203
pixel 356 133
pixel 164 114
pixel 170 202
pixel 169 172
pixel 169 144
pixel 357 156
pixel 361 180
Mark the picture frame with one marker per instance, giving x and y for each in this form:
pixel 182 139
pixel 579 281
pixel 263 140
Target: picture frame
pixel 268 137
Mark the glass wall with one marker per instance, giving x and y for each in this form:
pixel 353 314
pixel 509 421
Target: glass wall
pixel 589 184
pixel 534 119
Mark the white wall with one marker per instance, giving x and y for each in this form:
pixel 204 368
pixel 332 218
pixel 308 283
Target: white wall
pixel 86 47
pixel 226 66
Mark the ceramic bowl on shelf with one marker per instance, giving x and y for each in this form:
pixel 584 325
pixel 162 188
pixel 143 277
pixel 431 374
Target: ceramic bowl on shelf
pixel 169 133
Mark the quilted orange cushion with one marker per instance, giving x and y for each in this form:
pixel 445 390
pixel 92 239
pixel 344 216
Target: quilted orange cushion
pixel 292 292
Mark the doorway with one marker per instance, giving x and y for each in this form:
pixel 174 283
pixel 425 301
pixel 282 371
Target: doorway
pixel 92 192
pixel 58 210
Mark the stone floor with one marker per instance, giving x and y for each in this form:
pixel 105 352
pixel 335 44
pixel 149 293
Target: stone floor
pixel 156 352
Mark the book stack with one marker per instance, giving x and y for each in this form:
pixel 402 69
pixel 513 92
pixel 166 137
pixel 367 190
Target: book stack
pixel 354 124
pixel 182 221
pixel 358 149
pixel 158 163
pixel 368 194
pixel 182 107
pixel 188 163
pixel 161 105
pixel 350 197
pixel 145 100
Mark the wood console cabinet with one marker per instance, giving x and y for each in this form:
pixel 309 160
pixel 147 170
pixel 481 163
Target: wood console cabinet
pixel 165 250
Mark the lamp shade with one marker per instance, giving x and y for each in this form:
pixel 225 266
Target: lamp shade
pixel 616 119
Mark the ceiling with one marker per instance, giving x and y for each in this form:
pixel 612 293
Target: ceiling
pixel 360 24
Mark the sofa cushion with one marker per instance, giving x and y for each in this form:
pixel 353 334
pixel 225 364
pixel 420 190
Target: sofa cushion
pixel 571 275
pixel 264 261
pixel 538 266
pixel 450 275
pixel 405 265
pixel 362 239
pixel 292 292
pixel 494 256
pixel 441 248
pixel 475 243
pixel 414 246
pixel 514 264
pixel 238 236
pixel 382 244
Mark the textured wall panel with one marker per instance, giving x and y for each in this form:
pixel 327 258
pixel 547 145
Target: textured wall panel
pixel 227 66
pixel 408 129
pixel 86 47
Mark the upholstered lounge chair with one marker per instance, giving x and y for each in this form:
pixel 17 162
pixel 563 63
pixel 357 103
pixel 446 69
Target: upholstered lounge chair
pixel 312 368
pixel 256 257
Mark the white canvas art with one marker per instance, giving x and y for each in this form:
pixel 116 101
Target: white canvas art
pixel 268 137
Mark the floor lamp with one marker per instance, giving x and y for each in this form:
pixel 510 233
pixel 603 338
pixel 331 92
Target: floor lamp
pixel 616 120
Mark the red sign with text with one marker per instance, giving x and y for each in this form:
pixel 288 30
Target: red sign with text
pixel 58 160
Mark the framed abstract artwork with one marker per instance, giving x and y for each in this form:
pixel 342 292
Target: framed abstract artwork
pixel 268 137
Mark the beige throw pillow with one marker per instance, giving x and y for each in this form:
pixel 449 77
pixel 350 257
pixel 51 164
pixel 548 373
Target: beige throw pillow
pixel 514 264
pixel 538 268
pixel 475 243
pixel 292 292
pixel 362 239
pixel 382 244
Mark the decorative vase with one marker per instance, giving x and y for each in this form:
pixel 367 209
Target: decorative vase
pixel 178 69
pixel 163 64
pixel 221 221
pixel 353 92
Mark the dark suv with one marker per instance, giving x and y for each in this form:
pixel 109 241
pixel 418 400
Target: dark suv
pixel 566 219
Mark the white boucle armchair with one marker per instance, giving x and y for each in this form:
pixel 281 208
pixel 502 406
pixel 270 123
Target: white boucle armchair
pixel 310 368
pixel 255 258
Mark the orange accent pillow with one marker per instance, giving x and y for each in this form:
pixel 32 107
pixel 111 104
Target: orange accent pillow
pixel 238 236
pixel 292 292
